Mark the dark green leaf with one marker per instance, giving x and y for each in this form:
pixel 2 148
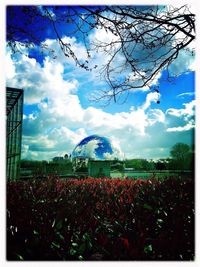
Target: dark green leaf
pixel 72 251
pixel 148 249
pixel 35 232
pixel 86 236
pixel 82 248
pixel 148 207
pixel 60 236
pixel 59 225
pixel 20 257
pixel 74 245
pixel 89 245
pixel 53 244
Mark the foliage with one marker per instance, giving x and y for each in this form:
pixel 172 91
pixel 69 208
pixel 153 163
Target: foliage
pixel 117 165
pixel 140 164
pixel 100 219
pixel 32 163
pixel 160 165
pixel 182 156
pixel 42 168
pixel 32 167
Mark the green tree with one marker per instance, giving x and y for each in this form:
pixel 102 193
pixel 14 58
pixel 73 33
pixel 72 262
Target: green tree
pixel 140 164
pixel 160 165
pixel 182 156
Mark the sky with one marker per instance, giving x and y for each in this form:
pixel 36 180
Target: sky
pixel 59 113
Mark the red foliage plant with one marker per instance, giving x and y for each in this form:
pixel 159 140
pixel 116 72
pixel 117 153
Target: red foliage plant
pixel 55 219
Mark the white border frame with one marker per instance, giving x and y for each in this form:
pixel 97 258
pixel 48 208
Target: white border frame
pixel 196 6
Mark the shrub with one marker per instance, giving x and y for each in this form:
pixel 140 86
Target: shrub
pixel 100 219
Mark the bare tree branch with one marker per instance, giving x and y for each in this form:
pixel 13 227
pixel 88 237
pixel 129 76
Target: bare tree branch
pixel 145 40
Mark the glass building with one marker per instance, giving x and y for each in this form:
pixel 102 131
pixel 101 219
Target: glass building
pixel 14 116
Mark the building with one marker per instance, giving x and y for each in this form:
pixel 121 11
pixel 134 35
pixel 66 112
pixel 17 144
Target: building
pixel 14 116
pixel 99 168
pixel 93 156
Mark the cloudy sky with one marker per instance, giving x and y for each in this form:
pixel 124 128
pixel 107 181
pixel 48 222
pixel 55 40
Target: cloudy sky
pixel 58 112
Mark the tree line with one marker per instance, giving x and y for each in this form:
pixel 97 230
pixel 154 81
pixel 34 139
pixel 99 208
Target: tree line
pixel 181 158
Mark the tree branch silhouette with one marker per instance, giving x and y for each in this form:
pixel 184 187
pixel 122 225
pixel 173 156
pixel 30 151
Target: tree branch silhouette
pixel 143 40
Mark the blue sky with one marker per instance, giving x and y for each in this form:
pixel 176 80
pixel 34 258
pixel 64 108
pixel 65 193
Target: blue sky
pixel 58 112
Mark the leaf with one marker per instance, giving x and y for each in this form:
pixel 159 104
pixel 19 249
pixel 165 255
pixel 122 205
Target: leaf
pixel 148 249
pixel 165 213
pixel 35 232
pixel 89 245
pixel 53 244
pixel 118 224
pixel 72 252
pixel 82 248
pixel 148 207
pixel 86 236
pixel 59 225
pixel 159 221
pixel 20 257
pixel 125 242
pixel 60 236
pixel 74 245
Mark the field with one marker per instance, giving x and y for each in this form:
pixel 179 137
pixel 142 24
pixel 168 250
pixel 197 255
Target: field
pixel 101 219
pixel 149 174
pixel 143 175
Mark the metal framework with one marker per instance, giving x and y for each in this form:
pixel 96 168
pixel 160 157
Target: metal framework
pixel 14 113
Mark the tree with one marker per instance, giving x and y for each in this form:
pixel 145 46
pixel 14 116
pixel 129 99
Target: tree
pixel 143 39
pixel 160 165
pixel 140 164
pixel 181 155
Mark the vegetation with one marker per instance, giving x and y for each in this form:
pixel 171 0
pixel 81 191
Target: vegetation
pixel 100 219
pixel 140 164
pixel 182 156
pixel 38 168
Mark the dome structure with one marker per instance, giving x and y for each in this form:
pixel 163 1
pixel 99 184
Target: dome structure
pixel 95 147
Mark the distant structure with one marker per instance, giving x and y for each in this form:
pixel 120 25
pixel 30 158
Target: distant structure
pixel 93 156
pixel 60 158
pixel 99 168
pixel 14 116
pixel 66 156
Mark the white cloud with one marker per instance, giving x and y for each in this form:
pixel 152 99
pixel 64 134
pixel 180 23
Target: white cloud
pixel 151 97
pixel 102 36
pixel 10 67
pixel 185 94
pixel 88 149
pixel 187 127
pixel 187 112
pixel 63 135
pixel 57 142
pixel 184 116
pixel 156 115
pixel 185 62
pixel 61 121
